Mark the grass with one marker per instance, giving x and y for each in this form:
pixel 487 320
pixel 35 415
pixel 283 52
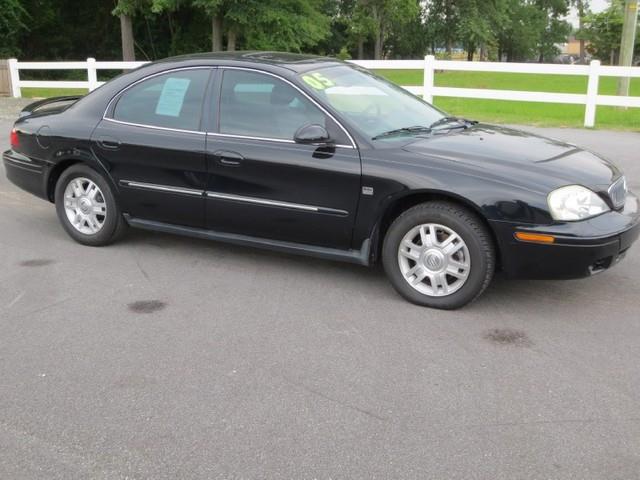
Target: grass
pixel 51 92
pixel 497 111
pixel 543 114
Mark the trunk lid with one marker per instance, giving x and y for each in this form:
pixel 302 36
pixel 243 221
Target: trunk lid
pixel 49 106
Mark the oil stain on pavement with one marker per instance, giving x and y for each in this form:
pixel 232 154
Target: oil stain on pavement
pixel 37 262
pixel 146 306
pixel 508 336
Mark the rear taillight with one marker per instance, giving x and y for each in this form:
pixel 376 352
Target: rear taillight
pixel 15 141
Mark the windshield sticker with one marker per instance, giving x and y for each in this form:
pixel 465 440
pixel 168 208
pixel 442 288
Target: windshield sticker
pixel 317 81
pixel 172 97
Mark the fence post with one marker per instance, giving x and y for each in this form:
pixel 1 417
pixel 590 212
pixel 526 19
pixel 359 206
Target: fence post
pixel 592 94
pixel 14 77
pixel 92 75
pixel 427 88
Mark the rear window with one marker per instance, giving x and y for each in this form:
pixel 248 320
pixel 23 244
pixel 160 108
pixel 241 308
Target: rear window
pixel 170 100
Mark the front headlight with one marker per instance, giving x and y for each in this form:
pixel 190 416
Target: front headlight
pixel 575 202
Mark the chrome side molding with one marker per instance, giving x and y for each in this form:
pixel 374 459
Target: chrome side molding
pixel 277 203
pixel 161 188
pixel 234 198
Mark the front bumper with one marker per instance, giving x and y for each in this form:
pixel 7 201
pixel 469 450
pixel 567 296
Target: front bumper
pixel 581 248
pixel 26 173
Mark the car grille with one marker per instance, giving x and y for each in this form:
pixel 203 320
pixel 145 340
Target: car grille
pixel 618 192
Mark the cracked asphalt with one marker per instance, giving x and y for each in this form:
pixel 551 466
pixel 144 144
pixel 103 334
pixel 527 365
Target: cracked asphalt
pixel 164 357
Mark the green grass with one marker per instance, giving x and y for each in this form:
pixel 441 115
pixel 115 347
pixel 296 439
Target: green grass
pixel 543 114
pixel 51 92
pixel 497 111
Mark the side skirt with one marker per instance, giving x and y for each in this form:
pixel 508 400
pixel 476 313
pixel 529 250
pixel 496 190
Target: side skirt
pixel 360 257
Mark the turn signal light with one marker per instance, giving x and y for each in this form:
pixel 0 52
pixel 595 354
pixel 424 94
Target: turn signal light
pixel 535 237
pixel 15 141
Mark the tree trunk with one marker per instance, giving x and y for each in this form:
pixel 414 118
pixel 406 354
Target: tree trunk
pixel 216 33
pixel 231 39
pixel 582 43
pixel 470 51
pixel 377 49
pixel 360 48
pixel 627 42
pixel 126 30
pixel 379 37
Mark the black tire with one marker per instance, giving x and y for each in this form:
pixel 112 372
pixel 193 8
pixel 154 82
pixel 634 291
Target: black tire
pixel 113 225
pixel 468 227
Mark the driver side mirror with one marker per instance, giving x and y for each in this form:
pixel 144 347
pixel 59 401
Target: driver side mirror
pixel 312 134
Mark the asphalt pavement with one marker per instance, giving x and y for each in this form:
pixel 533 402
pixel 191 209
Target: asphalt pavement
pixel 163 357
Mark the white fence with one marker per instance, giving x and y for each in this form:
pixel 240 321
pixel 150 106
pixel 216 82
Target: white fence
pixel 590 99
pixel 90 65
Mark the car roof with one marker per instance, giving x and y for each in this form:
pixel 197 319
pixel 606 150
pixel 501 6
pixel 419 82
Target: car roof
pixel 295 62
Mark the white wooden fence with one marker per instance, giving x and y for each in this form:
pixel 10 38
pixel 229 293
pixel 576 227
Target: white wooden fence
pixel 590 99
pixel 90 65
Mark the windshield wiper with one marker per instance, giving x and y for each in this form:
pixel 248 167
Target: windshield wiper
pixel 397 131
pixel 460 122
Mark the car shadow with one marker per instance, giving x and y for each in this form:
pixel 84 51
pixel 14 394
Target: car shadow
pixel 502 290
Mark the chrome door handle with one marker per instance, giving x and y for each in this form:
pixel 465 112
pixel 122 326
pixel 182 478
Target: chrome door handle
pixel 109 143
pixel 228 159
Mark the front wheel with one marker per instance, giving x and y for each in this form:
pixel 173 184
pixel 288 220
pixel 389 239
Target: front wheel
pixel 87 208
pixel 439 255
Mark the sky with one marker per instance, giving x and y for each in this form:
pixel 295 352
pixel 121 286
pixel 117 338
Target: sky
pixel 596 6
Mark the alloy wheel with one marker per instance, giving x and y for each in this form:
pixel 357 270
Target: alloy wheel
pixel 85 205
pixel 434 260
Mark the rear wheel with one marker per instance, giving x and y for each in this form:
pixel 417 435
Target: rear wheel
pixel 439 255
pixel 86 207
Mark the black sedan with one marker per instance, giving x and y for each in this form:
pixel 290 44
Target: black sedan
pixel 311 155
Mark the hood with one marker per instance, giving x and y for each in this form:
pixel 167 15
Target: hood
pixel 519 157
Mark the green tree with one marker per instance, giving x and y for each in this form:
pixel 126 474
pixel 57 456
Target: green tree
pixel 582 7
pixel 478 21
pixel 603 31
pixel 68 29
pixel 413 40
pixel 531 29
pixel 357 24
pixel 214 9
pixel 552 28
pixel 381 18
pixel 126 10
pixel 290 25
pixel 444 16
pixel 339 40
pixel 12 24
pixel 278 24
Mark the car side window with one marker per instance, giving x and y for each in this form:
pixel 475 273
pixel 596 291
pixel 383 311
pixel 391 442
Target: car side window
pixel 259 105
pixel 170 100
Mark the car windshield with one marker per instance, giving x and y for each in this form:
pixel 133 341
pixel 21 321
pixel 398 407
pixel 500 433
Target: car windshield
pixel 379 108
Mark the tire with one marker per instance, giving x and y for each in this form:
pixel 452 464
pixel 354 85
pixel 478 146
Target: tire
pixel 81 192
pixel 418 249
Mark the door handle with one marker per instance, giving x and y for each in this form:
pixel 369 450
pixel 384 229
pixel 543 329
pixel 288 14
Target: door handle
pixel 228 159
pixel 109 143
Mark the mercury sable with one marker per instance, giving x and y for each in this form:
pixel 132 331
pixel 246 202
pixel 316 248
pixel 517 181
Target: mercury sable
pixel 314 156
